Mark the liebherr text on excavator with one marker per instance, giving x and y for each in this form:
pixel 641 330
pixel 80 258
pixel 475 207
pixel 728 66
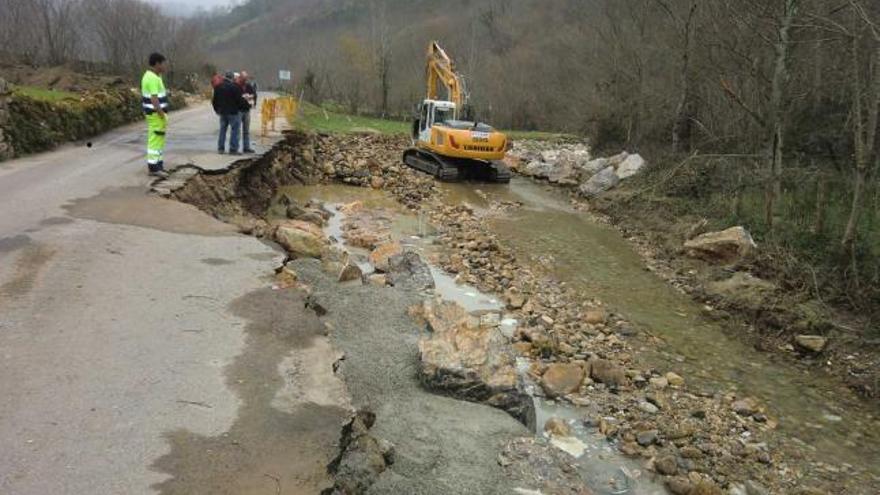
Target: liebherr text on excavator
pixel 445 143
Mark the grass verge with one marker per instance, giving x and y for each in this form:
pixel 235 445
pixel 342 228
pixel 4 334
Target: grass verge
pixel 314 118
pixel 43 94
pixel 331 120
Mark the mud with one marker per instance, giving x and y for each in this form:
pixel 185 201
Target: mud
pixel 442 446
pixel 289 418
pixel 130 206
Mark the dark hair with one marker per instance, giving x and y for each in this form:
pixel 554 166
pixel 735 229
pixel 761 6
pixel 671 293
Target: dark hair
pixel 156 59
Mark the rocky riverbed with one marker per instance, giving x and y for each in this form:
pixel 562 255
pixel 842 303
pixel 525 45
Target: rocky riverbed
pixel 577 350
pixel 736 285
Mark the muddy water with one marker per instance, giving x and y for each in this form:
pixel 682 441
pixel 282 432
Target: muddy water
pixel 409 229
pixel 596 260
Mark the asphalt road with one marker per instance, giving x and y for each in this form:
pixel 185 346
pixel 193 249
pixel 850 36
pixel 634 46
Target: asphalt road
pixel 133 354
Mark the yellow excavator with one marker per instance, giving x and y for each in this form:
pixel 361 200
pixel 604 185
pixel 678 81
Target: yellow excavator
pixel 446 144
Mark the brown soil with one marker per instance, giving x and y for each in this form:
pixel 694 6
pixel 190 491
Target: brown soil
pixel 61 78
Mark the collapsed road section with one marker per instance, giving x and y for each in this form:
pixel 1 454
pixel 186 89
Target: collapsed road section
pixel 407 362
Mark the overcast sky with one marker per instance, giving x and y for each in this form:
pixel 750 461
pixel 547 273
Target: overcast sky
pixel 185 7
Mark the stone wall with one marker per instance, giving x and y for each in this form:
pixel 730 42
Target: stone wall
pixel 6 151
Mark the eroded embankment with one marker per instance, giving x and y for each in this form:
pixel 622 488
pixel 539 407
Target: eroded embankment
pixel 698 441
pixel 242 193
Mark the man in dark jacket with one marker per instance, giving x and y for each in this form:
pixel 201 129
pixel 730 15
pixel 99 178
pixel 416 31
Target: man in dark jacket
pixel 249 88
pixel 228 103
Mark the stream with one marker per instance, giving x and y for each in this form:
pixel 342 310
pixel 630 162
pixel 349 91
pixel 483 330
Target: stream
pixel 596 260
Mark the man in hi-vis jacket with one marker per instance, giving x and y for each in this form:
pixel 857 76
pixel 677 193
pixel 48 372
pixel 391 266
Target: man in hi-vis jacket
pixel 155 104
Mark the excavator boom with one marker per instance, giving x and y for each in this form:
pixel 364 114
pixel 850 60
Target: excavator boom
pixel 441 70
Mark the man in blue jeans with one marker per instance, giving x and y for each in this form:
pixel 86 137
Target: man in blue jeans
pixel 228 103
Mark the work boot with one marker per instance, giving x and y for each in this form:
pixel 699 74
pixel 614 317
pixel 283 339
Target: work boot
pixel 159 173
pixel 221 152
pixel 249 151
pixel 234 153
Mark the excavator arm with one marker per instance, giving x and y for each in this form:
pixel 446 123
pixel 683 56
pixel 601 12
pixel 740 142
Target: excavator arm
pixel 441 70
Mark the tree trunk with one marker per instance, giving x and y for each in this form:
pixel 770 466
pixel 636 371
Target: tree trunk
pixel 821 203
pixel 864 136
pixel 852 225
pixel 737 195
pixel 777 110
pixel 682 128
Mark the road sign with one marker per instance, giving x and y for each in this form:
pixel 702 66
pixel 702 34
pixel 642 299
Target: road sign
pixel 284 75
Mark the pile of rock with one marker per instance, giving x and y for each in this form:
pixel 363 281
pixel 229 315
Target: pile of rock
pixel 578 349
pixel 572 165
pixel 370 160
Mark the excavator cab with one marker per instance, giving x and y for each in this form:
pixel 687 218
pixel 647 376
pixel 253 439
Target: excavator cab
pixel 428 113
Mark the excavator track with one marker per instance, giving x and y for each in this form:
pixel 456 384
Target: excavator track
pixel 454 170
pixel 432 164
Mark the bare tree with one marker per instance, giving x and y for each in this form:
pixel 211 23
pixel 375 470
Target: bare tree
pixel 382 54
pixel 865 46
pixel 19 32
pixel 684 112
pixel 59 25
pixel 128 30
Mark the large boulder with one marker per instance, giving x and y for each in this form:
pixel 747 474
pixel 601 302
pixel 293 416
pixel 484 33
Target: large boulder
pixel 593 167
pixel 382 254
pixel 562 173
pixel 362 457
pixel 334 258
pixel 409 271
pixel 811 343
pixel 603 181
pixel 538 169
pixel 632 165
pixel 562 170
pixel 724 247
pixel 743 289
pixel 562 379
pixel 617 159
pixel 606 372
pixel 470 361
pixel 550 156
pixel 300 238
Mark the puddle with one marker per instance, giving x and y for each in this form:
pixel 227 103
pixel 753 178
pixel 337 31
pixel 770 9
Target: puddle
pixel 13 243
pixel 133 206
pixel 598 261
